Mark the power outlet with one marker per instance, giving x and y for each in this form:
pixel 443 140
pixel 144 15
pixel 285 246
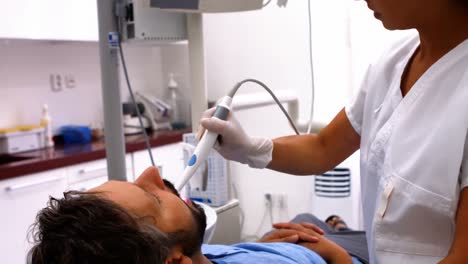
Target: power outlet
pixel 276 200
pixel 282 3
pixel 70 81
pixel 56 82
pixel 268 199
pixel 282 201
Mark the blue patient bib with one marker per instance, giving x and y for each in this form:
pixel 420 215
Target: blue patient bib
pixel 286 253
pixel 257 253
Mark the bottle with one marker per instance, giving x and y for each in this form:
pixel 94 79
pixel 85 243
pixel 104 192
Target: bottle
pixel 175 100
pixel 46 122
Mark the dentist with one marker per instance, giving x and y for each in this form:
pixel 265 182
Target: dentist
pixel 410 122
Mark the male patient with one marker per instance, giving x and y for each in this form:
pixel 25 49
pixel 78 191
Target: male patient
pixel 147 222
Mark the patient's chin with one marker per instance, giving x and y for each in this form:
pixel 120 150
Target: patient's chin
pixel 191 241
pixel 200 221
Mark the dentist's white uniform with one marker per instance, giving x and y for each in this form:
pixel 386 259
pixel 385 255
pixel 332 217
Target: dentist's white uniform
pixel 414 155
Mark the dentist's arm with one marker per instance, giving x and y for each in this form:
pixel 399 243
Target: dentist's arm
pixel 458 252
pixel 302 155
pixel 316 153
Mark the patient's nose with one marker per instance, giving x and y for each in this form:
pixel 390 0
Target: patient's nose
pixel 151 178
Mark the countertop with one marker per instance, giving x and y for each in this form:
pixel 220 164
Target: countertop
pixel 67 155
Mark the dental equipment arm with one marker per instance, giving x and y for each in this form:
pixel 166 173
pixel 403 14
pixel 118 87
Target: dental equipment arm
pixel 206 143
pixel 236 145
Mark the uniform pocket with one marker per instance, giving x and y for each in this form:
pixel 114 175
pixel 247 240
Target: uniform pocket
pixel 413 220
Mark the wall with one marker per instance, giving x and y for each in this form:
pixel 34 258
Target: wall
pixel 25 71
pixel 272 45
pixel 366 47
pixel 175 60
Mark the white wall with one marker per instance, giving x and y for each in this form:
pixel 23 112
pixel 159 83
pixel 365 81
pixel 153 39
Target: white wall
pixel 175 60
pixel 25 68
pixel 368 39
pixel 272 45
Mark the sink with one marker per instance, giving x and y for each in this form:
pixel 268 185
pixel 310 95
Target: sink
pixel 7 158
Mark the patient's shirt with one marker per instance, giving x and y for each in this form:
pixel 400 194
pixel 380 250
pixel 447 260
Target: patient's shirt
pixel 270 253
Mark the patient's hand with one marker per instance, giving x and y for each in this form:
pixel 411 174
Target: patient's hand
pixel 327 249
pixel 293 233
pixel 305 227
pixel 289 236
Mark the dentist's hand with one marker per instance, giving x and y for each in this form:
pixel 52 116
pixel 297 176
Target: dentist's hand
pixel 234 143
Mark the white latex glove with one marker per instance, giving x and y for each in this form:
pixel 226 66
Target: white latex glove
pixel 234 143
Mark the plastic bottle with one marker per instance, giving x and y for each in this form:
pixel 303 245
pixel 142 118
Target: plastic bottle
pixel 175 100
pixel 46 122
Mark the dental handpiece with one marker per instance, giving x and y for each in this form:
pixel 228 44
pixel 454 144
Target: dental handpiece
pixel 206 143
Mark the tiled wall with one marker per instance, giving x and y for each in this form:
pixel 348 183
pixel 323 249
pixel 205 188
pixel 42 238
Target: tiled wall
pixel 25 82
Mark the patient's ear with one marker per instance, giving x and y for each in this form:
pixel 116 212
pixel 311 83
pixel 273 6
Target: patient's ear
pixel 177 257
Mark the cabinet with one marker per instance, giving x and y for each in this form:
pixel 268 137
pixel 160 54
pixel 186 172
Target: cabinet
pixel 169 159
pixel 50 20
pixel 85 176
pixel 20 200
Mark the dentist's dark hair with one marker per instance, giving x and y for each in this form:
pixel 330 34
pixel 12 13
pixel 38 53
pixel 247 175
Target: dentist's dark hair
pixel 86 228
pixel 462 3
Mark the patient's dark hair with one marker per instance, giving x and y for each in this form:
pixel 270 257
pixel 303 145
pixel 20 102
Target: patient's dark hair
pixel 86 228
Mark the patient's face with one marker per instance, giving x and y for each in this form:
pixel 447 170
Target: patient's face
pixel 150 199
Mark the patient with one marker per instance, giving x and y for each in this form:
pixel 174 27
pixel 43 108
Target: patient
pixel 147 222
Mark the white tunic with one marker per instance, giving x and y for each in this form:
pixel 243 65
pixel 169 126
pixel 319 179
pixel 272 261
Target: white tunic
pixel 414 154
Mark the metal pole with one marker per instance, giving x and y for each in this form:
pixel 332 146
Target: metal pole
pixel 197 68
pixel 113 128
